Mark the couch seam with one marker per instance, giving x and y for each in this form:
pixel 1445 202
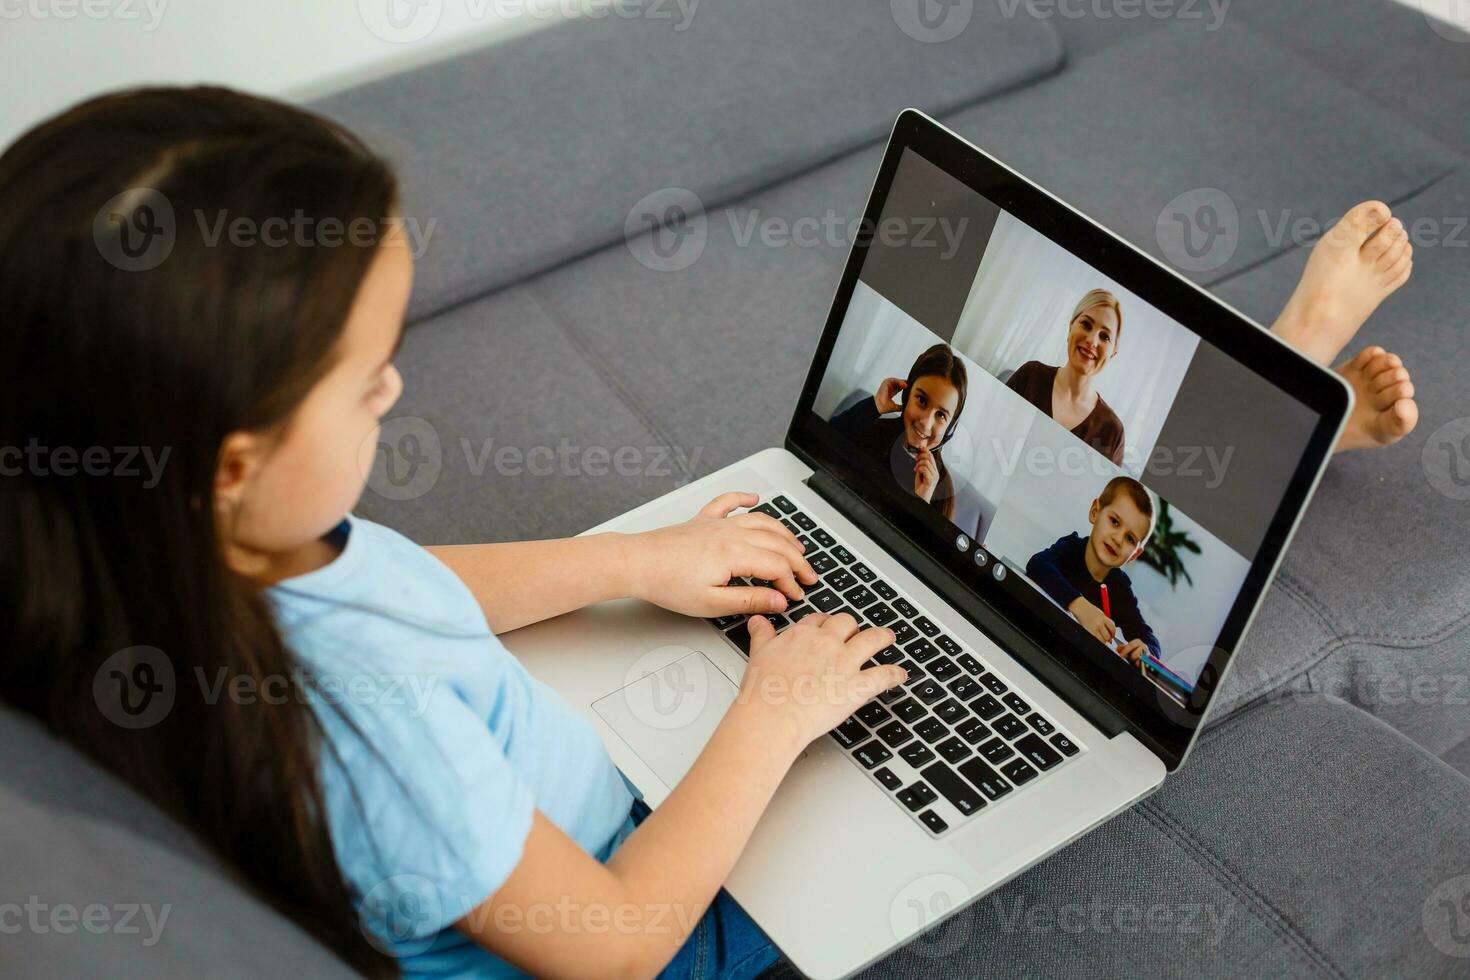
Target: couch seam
pixel 610 378
pixel 1236 884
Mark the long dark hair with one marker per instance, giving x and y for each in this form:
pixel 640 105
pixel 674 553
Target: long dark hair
pixel 108 349
pixel 940 361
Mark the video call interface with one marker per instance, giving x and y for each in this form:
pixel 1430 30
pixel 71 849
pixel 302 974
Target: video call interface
pixel 1078 440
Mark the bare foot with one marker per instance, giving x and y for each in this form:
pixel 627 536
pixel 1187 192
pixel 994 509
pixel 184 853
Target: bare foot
pixel 1353 268
pixel 1384 411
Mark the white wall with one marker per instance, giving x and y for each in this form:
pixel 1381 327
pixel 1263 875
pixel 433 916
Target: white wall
pixel 54 53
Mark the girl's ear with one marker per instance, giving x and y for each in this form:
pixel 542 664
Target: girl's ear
pixel 239 458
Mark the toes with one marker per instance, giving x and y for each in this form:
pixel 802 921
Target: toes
pixel 1393 394
pixel 1405 416
pixel 1366 218
pixel 1402 276
pixel 1388 247
pixel 1393 374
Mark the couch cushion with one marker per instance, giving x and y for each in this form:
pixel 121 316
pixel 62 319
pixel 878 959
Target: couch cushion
pixel 119 890
pixel 1390 51
pixel 1379 569
pixel 1301 839
pixel 1177 115
pixel 506 430
pixel 535 151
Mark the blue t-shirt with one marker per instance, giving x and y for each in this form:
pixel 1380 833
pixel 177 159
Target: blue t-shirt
pixel 439 746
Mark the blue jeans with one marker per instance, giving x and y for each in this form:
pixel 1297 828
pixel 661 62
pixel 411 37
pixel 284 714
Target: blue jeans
pixel 725 945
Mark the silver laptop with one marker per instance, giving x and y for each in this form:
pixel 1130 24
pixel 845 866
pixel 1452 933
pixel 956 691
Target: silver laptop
pixel 1062 474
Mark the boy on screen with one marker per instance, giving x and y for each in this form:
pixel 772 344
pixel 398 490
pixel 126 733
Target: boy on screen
pixel 1076 571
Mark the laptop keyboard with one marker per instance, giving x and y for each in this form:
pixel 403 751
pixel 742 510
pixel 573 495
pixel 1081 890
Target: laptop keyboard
pixel 952 740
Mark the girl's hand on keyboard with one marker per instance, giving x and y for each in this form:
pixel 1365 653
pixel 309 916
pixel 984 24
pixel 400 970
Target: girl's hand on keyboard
pixel 686 568
pixel 809 679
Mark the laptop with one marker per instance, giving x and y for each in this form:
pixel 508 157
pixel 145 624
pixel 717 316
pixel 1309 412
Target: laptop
pixel 1061 473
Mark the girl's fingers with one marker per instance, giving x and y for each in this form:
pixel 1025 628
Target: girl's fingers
pixel 842 624
pixel 787 550
pixel 866 643
pixel 761 631
pixel 790 588
pixel 875 680
pixel 752 561
pixel 748 599
pixel 726 502
pixel 766 522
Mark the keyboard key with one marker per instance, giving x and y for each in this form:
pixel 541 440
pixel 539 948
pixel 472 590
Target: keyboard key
pixel 1018 771
pixel 822 563
pixel 902 631
pixel 916 754
pixel 914 671
pixel 1017 704
pixel 930 730
pixel 959 793
pixel 860 597
pixel 933 821
pixel 799 613
pixel 1064 745
pixel 972 730
pixel 840 579
pixel 943 669
pixel 790 526
pixel 926 626
pixel 950 712
pixel 825 600
pixel 888 655
pixel 1037 752
pixel 851 612
pixel 986 778
pixel 986 707
pixel 885 590
pixel 922 650
pixel 739 635
pixel 872 714
pixel 766 509
pixel 887 777
pixel 1010 726
pixel 819 535
pixel 970 664
pixel 843 555
pixel 872 754
pixel 948 646
pixel 953 750
pixel 784 505
pixel 863 572
pixel 926 691
pixel 905 608
pixel 725 622
pixel 892 694
pixel 996 685
pixel 996 751
pixel 808 525
pixel 916 797
pixel 849 733
pixel 805 542
pixel 965 688
pixel 777 621
pixel 1040 724
pixel 881 614
pixel 894 734
pixel 909 710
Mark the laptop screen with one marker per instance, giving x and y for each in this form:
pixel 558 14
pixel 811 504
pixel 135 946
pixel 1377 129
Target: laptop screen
pixel 1069 444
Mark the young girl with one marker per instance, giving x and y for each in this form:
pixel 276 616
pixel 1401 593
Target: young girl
pixel 469 827
pixel 473 827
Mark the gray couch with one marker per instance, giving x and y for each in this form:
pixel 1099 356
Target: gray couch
pixel 1322 829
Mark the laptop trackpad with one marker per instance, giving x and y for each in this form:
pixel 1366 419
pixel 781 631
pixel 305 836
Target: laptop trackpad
pixel 667 715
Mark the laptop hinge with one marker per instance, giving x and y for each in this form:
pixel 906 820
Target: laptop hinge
pixel 983 616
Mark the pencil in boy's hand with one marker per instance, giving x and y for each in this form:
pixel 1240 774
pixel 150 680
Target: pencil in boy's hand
pixel 1107 606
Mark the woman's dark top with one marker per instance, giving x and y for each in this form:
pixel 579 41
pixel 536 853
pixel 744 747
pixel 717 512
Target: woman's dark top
pixel 1102 429
pixel 881 441
pixel 1061 571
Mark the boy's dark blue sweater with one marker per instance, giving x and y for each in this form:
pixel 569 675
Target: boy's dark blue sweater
pixel 1061 571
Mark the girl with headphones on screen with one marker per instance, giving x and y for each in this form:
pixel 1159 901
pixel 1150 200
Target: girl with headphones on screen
pixel 929 401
